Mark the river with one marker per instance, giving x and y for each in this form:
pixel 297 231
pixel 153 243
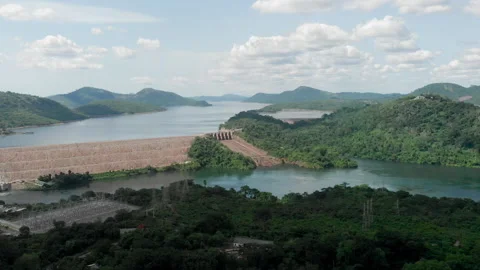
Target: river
pixel 417 179
pixel 180 121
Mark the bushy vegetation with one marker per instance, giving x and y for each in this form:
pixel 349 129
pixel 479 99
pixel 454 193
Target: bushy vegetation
pixel 425 130
pixel 326 229
pixel 66 180
pixel 209 153
pixel 17 110
pixel 116 107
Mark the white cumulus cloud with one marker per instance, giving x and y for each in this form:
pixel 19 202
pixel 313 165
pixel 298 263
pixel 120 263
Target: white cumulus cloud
pixel 148 44
pixel 15 12
pixel 124 52
pixel 422 6
pixel 313 51
pixel 58 52
pixel 417 57
pixel 396 45
pixel 367 5
pixel 61 12
pixel 96 31
pixel 473 7
pixel 144 80
pixel 388 27
pixel 467 67
pixel 292 6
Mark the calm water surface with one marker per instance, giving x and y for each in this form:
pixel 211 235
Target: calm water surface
pixel 418 179
pixel 177 121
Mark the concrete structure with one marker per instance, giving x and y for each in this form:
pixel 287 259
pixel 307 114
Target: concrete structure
pixel 222 135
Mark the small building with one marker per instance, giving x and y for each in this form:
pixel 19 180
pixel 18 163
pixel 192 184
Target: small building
pixel 242 241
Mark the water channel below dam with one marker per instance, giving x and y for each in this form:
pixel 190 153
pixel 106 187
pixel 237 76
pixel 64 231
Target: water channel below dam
pixel 417 179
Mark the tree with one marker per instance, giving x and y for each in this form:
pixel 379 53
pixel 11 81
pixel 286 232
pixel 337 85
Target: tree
pixel 27 262
pixel 24 232
pixel 427 265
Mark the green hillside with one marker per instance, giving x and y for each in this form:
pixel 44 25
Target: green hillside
pixel 425 130
pixel 163 98
pixel 308 94
pixel 87 95
pixel 318 105
pixel 84 96
pixel 17 110
pixel 116 107
pixel 452 91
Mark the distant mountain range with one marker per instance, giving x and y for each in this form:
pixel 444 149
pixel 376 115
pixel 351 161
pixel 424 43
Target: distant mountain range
pixel 452 91
pixel 86 95
pixel 227 97
pixel 17 110
pixel 307 94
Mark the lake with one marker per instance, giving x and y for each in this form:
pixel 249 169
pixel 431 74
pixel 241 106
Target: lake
pixel 177 121
pixel 417 179
pixel 181 121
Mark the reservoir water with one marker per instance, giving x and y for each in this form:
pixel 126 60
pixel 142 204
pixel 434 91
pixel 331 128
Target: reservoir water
pixel 180 121
pixel 176 121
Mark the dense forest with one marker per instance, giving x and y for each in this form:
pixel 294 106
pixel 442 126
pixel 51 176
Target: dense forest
pixel 116 107
pixel 25 110
pixel 153 97
pixel 193 228
pixel 427 130
pixel 211 154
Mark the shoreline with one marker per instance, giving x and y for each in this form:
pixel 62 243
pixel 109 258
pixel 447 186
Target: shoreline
pixel 73 121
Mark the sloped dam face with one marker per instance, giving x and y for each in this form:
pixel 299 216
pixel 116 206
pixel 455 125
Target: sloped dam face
pixel 28 163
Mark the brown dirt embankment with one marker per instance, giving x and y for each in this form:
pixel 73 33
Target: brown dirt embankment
pixel 26 164
pixel 261 158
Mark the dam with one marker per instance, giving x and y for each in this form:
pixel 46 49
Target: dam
pixel 25 164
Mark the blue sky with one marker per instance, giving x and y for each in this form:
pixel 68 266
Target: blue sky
pixel 214 47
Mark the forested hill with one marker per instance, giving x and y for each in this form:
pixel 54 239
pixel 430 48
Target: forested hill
pixel 163 98
pixel 425 130
pixel 24 110
pixel 86 95
pixel 452 91
pixel 115 107
pixel 304 94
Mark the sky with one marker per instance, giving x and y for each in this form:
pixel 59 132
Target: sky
pixel 215 47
